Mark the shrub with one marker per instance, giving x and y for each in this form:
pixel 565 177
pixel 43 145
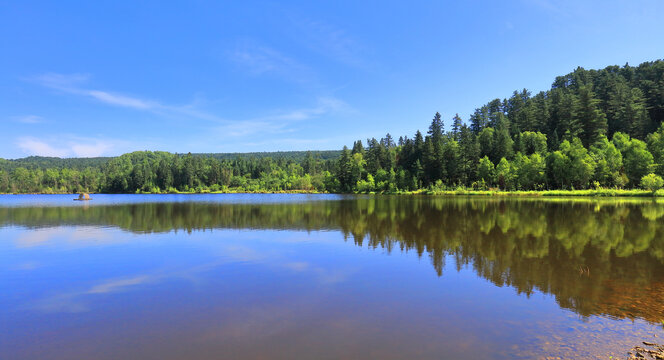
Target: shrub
pixel 652 182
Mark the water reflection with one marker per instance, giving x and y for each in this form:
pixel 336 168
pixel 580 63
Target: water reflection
pixel 597 257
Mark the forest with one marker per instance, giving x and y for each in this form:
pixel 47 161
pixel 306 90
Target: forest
pixel 594 129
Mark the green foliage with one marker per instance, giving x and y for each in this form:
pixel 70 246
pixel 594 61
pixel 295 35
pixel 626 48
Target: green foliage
pixel 486 171
pixel 530 171
pixel 608 163
pixel 638 161
pixel 571 166
pixel 652 182
pixel 532 142
pixel 656 148
pixel 505 175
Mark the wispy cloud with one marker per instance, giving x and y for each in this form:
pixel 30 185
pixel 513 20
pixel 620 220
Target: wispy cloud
pixel 258 59
pixel 331 41
pixel 251 127
pixel 32 146
pixel 283 121
pixel 97 148
pixel 547 6
pixel 29 119
pixel 75 84
pixel 323 106
pixel 70 146
pixel 263 60
pixel 121 100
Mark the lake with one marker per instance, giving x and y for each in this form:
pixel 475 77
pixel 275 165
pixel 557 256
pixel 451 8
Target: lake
pixel 328 277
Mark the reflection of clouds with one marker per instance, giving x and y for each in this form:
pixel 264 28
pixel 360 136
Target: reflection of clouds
pixel 84 236
pixel 73 302
pixel 40 236
pixel 117 285
pixel 76 301
pixel 80 236
pixel 333 276
pixel 261 321
pixel 26 266
pixel 235 250
pixel 323 275
pixel 63 303
pixel 297 266
pixel 243 253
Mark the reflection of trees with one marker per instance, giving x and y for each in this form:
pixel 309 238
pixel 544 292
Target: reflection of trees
pixel 596 257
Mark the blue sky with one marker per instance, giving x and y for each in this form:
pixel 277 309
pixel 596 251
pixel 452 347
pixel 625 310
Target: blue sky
pixel 105 78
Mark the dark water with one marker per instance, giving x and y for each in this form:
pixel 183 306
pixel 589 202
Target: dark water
pixel 328 277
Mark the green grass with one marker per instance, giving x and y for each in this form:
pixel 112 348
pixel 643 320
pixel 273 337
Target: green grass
pixel 460 191
pixel 575 193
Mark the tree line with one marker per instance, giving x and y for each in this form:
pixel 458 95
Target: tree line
pixel 593 128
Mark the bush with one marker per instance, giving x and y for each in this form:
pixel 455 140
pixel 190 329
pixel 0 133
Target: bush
pixel 652 182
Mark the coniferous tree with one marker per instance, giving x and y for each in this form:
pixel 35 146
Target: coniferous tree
pixel 469 158
pixel 357 147
pixel 591 118
pixel 479 119
pixel 436 129
pixel 456 127
pixel 345 170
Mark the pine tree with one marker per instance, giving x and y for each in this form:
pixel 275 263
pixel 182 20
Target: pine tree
pixel 479 119
pixel 456 127
pixel 388 141
pixel 436 129
pixel 358 148
pixel 345 170
pixel 590 116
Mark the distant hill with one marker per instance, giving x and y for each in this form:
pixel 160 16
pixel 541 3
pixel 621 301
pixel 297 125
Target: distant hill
pixel 276 155
pixel 44 162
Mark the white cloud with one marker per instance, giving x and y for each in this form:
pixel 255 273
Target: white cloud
pixel 71 146
pixel 249 127
pixel 324 105
pixel 74 84
pixel 98 148
pixel 36 147
pixel 121 100
pixel 61 81
pixel 282 122
pixel 29 119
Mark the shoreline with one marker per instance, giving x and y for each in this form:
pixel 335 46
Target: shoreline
pixel 461 192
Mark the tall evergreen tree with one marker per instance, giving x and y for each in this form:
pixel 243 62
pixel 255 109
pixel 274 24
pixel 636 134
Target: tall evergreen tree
pixel 590 116
pixel 358 148
pixel 345 170
pixel 456 127
pixel 436 129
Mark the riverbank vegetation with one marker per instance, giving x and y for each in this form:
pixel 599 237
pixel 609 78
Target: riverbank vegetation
pixel 595 132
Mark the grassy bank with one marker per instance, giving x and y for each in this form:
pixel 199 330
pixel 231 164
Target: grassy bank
pixel 456 192
pixel 575 193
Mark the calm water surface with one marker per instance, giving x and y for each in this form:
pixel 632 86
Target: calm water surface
pixel 328 277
